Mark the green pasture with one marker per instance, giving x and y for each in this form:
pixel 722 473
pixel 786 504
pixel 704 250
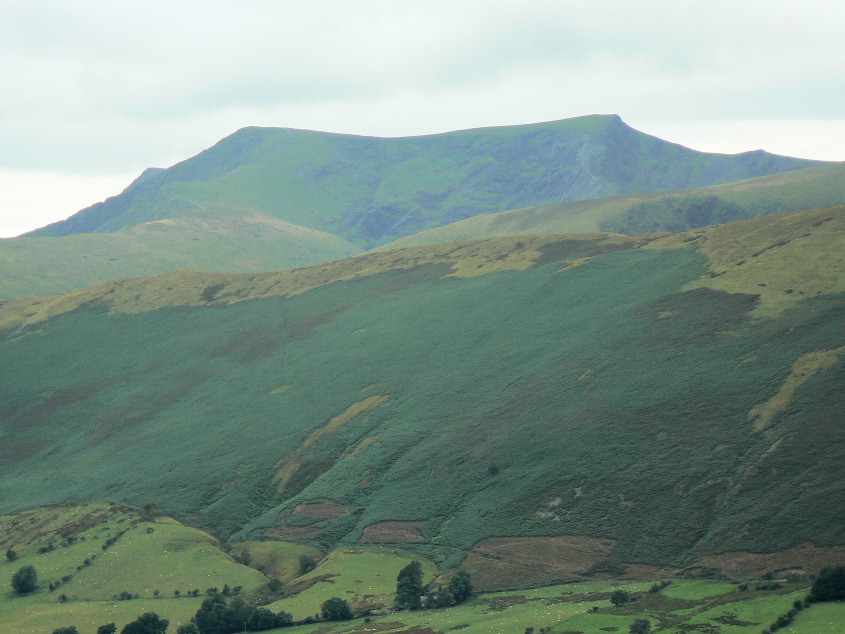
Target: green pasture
pixel 145 560
pixel 275 559
pixel 364 577
pixel 586 608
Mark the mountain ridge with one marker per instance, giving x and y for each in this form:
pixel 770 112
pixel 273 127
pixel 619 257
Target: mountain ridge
pixel 385 187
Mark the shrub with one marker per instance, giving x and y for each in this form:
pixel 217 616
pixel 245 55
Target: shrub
pixel 66 630
pixel 336 609
pixel 11 555
pixel 620 597
pixel 25 580
pixel 188 628
pixel 276 586
pixel 306 563
pixel 640 626
pixel 109 628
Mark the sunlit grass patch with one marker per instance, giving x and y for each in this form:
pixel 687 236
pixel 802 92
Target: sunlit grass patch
pixel 364 576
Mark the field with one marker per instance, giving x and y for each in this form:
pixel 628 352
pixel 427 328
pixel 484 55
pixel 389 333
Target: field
pixel 159 555
pixel 98 563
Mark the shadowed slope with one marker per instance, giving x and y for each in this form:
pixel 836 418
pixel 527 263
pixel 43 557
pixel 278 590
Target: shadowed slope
pixel 809 188
pixel 592 386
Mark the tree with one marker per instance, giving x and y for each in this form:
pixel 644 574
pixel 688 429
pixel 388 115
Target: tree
pixel 829 585
pixel 306 563
pixel 409 586
pixel 148 623
pixel 188 628
pixel 444 599
pixel 25 580
pixel 11 555
pixel 461 586
pixel 640 626
pixel 276 586
pixel 620 597
pixel 336 609
pixel 109 628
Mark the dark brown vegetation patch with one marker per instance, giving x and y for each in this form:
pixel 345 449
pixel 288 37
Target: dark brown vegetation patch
pixel 745 565
pixel 325 508
pixel 502 562
pixel 392 532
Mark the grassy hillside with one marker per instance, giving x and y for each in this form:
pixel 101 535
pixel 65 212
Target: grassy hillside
pixel 810 188
pixel 100 563
pixel 374 190
pixel 45 266
pixel 644 394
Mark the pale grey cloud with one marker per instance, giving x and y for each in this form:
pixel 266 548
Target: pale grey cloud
pixel 97 88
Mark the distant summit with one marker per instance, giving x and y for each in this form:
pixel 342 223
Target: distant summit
pixel 370 190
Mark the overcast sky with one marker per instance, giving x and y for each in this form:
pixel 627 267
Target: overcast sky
pixel 93 92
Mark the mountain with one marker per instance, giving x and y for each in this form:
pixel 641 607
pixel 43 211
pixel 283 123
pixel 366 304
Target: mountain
pixel 274 199
pixel 370 191
pixel 810 188
pixel 661 399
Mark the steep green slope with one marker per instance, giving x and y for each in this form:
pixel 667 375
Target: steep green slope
pixel 598 386
pixel 374 190
pixel 810 188
pixel 45 266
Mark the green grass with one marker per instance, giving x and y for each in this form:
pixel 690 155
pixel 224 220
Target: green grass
pixel 570 608
pixel 150 559
pixel 364 577
pixel 820 619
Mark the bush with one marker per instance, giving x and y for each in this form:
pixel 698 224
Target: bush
pixel 188 628
pixel 11 555
pixel 829 585
pixel 25 580
pixel 66 630
pixel 640 626
pixel 306 563
pixel 276 586
pixel 109 628
pixel 620 597
pixel 336 609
